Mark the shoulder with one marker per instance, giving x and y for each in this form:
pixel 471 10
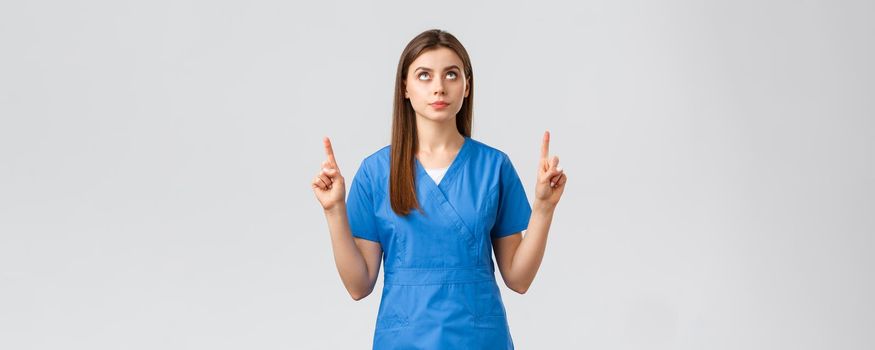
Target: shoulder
pixel 487 153
pixel 376 163
pixel 379 156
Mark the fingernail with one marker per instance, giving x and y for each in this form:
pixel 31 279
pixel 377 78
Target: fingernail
pixel 558 168
pixel 552 184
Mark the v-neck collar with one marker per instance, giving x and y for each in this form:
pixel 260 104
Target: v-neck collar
pixel 451 170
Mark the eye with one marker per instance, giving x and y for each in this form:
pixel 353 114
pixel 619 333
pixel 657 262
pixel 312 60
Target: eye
pixel 420 75
pixel 454 75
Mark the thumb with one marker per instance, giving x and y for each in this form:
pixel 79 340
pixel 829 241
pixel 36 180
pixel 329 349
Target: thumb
pixel 554 162
pixel 551 173
pixel 331 172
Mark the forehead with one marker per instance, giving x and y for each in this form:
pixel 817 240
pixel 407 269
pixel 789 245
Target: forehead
pixel 437 59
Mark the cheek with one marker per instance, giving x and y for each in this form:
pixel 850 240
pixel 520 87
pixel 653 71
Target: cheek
pixel 416 92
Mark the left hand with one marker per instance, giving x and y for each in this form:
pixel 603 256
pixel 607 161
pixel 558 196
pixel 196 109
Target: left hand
pixel 551 177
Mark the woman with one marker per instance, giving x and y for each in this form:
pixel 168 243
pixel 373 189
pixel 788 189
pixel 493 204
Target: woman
pixel 437 202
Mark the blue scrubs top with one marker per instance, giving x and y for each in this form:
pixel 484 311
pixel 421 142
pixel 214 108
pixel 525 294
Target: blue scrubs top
pixel 439 289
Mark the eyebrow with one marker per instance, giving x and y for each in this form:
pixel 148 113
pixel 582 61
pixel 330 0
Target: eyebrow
pixel 429 69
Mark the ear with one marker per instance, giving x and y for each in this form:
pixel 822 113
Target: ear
pixel 467 86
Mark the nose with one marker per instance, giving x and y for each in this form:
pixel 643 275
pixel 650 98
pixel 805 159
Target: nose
pixel 439 87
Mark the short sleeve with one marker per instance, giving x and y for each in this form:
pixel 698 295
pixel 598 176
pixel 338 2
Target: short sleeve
pixel 360 207
pixel 514 209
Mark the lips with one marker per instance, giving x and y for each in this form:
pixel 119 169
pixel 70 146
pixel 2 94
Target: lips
pixel 439 104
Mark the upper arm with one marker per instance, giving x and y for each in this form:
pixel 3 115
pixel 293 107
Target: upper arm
pixel 513 209
pixel 361 209
pixel 504 248
pixel 373 254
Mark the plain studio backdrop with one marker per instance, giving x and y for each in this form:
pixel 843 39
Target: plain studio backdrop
pixel 156 159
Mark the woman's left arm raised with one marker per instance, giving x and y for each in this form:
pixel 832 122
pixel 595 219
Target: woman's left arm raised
pixel 519 257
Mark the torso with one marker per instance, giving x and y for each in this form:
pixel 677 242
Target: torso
pixel 439 286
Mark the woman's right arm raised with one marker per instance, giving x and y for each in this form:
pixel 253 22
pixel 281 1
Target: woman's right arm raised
pixel 357 260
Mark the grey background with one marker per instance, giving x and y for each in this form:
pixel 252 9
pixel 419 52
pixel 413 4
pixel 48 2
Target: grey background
pixel 155 160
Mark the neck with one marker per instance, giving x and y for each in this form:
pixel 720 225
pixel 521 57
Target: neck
pixel 437 135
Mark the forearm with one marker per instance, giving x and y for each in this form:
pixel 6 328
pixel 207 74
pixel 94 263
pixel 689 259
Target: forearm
pixel 530 252
pixel 349 260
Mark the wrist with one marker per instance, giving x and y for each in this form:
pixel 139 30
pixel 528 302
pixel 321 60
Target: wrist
pixel 543 206
pixel 335 209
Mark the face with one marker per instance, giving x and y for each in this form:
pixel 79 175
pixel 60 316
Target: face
pixel 436 75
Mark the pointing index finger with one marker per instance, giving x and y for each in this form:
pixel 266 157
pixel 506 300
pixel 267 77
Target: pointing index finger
pixel 545 145
pixel 329 151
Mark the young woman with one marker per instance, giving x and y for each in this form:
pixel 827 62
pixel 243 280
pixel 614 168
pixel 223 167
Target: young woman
pixel 437 203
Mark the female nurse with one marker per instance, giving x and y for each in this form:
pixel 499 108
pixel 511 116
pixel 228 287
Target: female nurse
pixel 432 206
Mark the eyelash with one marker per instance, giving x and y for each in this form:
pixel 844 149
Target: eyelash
pixel 454 73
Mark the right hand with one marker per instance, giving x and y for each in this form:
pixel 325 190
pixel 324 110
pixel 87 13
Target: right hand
pixel 328 184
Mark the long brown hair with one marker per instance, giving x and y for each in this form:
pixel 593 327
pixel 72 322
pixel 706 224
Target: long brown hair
pixel 402 190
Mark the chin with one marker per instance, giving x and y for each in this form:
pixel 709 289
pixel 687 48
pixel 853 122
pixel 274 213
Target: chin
pixel 443 117
pixel 439 117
